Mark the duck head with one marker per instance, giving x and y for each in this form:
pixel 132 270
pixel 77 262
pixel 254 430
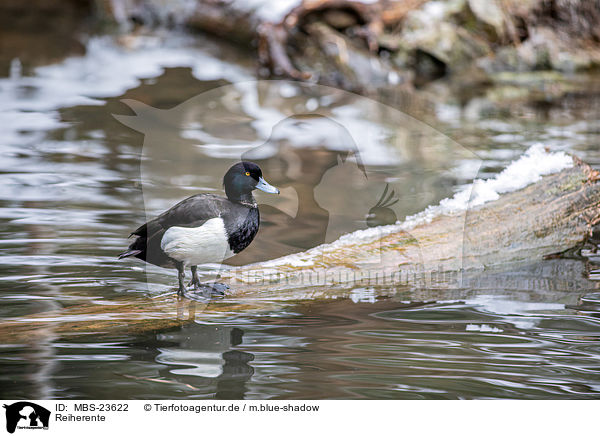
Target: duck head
pixel 243 178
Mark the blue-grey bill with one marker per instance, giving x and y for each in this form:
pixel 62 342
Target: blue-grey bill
pixel 264 186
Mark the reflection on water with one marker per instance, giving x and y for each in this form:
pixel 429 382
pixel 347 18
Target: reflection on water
pixel 206 353
pixel 478 347
pixel 72 192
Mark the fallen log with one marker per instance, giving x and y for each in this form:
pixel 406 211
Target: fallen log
pixel 282 36
pixel 407 41
pixel 442 258
pixel 545 218
pixel 331 42
pixel 371 47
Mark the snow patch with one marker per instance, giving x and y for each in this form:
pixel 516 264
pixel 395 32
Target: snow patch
pixel 269 10
pixel 530 168
pixel 484 328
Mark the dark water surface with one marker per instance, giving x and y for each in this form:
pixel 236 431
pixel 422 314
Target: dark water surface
pixel 73 187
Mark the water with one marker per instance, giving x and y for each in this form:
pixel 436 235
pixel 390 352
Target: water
pixel 73 188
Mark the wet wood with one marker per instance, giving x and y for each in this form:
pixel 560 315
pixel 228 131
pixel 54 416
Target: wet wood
pixel 482 248
pixel 225 19
pixel 552 216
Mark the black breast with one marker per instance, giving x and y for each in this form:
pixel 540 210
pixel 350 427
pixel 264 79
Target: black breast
pixel 241 224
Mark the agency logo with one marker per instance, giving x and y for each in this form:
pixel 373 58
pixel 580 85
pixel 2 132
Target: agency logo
pixel 26 415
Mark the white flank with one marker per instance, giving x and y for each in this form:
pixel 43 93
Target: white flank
pixel 197 245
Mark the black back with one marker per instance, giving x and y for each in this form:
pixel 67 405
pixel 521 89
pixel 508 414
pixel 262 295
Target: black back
pixel 241 222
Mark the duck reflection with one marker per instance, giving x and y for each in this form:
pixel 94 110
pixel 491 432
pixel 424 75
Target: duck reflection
pixel 198 354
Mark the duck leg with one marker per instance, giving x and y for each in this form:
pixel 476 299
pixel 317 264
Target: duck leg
pixel 201 291
pixel 207 291
pixel 181 277
pixel 195 280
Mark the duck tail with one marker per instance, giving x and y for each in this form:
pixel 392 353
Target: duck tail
pixel 136 248
pixel 129 253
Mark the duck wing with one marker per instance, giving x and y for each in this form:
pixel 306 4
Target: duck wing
pixel 191 212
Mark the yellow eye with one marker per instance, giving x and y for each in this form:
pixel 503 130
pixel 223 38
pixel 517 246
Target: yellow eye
pixel 247 173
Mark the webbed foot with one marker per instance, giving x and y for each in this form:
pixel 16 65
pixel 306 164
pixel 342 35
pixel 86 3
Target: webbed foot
pixel 205 291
